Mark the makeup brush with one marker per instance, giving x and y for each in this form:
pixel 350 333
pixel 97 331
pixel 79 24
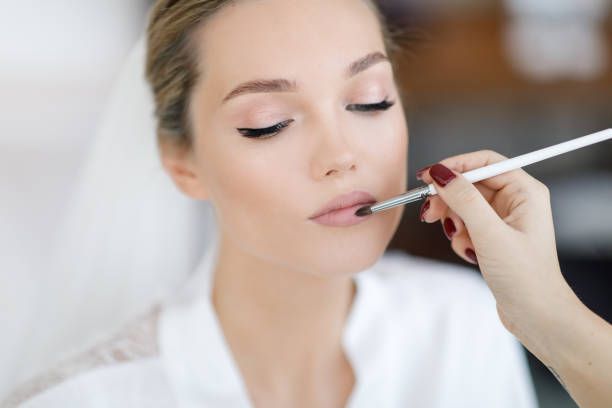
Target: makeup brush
pixel 491 170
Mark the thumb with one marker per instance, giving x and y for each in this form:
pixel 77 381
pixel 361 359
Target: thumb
pixel 467 202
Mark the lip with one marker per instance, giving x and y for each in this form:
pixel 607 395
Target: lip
pixel 340 211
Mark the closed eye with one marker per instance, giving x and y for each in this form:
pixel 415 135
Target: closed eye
pixel 384 105
pixel 259 133
pixel 263 133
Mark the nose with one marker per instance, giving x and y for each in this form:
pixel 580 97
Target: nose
pixel 334 155
pixel 342 164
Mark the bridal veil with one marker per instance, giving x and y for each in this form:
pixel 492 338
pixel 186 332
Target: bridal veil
pixel 129 238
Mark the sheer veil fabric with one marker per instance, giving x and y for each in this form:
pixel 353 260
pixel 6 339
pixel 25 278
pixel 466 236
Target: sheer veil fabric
pixel 129 238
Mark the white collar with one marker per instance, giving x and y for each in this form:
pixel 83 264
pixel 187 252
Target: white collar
pixel 201 368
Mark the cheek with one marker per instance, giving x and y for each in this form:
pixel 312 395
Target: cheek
pixel 250 183
pixel 399 158
pixel 387 149
pixel 258 190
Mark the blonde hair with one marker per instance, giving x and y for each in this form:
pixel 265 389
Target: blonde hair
pixel 171 61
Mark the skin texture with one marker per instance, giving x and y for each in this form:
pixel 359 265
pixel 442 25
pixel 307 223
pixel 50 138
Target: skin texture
pixel 279 275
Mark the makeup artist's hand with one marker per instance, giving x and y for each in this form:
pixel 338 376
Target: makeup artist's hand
pixel 504 225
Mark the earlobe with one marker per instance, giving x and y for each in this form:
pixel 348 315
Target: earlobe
pixel 184 175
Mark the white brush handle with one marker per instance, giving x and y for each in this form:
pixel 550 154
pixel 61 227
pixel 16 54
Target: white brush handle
pixel 528 158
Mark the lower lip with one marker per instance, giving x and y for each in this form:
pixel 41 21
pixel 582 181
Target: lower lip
pixel 342 218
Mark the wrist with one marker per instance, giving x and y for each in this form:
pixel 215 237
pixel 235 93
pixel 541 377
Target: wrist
pixel 558 327
pixel 576 352
pixel 548 329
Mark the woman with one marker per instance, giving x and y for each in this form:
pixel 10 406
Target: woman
pixel 267 114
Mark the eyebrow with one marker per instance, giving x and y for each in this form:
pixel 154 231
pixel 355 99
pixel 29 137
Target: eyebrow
pixel 285 85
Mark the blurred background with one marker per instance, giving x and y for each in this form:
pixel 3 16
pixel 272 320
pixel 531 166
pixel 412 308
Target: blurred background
pixel 507 75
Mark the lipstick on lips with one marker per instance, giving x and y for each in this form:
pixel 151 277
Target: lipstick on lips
pixel 340 212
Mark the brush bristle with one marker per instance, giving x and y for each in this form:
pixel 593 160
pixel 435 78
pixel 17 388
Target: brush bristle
pixel 363 211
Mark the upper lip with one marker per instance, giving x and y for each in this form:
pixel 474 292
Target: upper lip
pixel 345 201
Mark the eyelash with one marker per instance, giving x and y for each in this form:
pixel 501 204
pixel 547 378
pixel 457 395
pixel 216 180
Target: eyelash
pixel 264 133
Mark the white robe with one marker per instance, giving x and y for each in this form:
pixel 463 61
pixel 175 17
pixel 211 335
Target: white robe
pixel 420 333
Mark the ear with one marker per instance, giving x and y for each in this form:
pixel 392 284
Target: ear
pixel 181 167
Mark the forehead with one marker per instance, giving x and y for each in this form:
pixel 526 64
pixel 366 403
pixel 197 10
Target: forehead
pixel 285 38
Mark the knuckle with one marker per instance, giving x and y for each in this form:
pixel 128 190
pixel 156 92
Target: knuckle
pixel 541 188
pixel 492 155
pixel 468 161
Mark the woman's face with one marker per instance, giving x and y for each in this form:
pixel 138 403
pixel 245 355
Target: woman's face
pixel 264 190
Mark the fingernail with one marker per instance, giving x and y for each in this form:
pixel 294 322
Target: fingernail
pixel 441 174
pixel 472 255
pixel 420 172
pixel 424 208
pixel 449 228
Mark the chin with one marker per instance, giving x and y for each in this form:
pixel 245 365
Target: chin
pixel 342 259
pixel 346 251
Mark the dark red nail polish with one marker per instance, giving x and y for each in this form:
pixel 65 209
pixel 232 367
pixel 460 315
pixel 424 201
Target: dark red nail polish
pixel 472 255
pixel 441 174
pixel 424 208
pixel 449 228
pixel 419 173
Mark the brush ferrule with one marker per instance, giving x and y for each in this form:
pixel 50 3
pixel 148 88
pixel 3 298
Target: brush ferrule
pixel 413 195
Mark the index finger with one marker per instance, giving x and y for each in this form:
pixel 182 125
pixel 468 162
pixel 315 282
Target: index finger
pixel 473 160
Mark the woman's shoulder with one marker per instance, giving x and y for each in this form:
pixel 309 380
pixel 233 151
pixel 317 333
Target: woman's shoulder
pixel 438 291
pixel 443 316
pixel 434 297
pixel 412 274
pixel 116 360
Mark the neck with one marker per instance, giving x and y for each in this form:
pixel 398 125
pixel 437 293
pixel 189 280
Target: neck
pixel 279 320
